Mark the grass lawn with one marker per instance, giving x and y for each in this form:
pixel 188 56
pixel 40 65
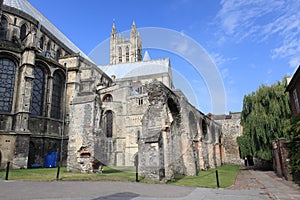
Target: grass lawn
pixel 227 175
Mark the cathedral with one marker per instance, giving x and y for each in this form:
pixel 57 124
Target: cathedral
pixel 54 98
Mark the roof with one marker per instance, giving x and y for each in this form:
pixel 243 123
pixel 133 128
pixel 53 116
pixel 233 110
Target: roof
pixel 27 8
pixel 295 78
pixel 134 69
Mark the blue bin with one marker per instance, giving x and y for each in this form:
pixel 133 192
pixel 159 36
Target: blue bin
pixel 50 160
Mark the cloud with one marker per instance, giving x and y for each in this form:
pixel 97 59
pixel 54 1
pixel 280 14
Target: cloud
pixel 261 20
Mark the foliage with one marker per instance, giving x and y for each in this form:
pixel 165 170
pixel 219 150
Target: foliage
pixel 265 117
pixel 294 145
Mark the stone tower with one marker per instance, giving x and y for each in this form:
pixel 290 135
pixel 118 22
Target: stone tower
pixel 124 50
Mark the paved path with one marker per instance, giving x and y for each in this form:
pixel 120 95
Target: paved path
pixel 249 185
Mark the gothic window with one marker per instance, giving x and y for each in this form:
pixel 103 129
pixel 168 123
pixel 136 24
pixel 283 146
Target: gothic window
pixel 41 43
pixel 37 92
pixel 120 54
pixel 109 123
pixel 127 54
pixel 23 32
pixel 48 46
pixel 7 80
pixel 107 98
pixel 57 95
pixel 3 28
pixel 57 56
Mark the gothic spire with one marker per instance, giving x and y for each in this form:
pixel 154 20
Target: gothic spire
pixel 113 29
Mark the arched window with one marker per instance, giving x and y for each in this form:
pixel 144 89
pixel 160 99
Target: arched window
pixel 37 98
pixel 57 95
pixel 48 46
pixel 7 81
pixel 127 54
pixel 3 28
pixel 120 54
pixel 41 43
pixel 107 98
pixel 109 123
pixel 23 32
pixel 57 56
pixel 139 52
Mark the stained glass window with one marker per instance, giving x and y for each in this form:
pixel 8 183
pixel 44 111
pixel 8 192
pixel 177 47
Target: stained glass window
pixel 37 98
pixel 7 80
pixel 57 95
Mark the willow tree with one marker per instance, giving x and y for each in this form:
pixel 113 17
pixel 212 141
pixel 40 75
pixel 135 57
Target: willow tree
pixel 265 117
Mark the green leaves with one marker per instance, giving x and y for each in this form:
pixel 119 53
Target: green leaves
pixel 265 116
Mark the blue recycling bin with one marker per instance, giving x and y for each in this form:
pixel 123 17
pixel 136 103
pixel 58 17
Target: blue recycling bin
pixel 50 160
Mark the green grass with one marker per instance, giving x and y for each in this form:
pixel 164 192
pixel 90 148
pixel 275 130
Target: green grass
pixel 207 179
pixel 227 175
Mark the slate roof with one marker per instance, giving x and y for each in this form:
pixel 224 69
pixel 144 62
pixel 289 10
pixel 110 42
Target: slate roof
pixel 26 7
pixel 135 69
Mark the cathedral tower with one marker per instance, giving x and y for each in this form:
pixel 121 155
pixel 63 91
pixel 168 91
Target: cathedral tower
pixel 124 50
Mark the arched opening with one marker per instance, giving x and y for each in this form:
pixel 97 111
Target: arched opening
pixel 37 99
pixel 7 81
pixel 107 98
pixel 57 95
pixel 204 130
pixel 193 135
pixel 3 28
pixel 23 32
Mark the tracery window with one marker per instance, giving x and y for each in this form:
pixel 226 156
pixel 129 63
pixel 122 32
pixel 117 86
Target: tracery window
pixel 120 54
pixel 37 92
pixel 57 95
pixel 3 28
pixel 127 54
pixel 7 80
pixel 109 123
pixel 23 32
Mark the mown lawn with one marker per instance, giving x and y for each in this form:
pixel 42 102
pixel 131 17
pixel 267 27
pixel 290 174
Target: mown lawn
pixel 227 175
pixel 207 179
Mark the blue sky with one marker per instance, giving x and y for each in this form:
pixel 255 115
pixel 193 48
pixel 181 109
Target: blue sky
pixel 250 42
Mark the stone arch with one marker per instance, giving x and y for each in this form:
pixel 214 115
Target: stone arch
pixel 204 129
pixel 108 123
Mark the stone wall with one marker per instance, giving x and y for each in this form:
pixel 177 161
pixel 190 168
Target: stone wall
pixel 231 129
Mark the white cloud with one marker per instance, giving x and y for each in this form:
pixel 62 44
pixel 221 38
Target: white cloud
pixel 261 20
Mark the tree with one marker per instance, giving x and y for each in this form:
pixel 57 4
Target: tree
pixel 265 117
pixel 294 145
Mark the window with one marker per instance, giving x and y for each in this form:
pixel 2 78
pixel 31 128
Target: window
pixel 295 95
pixel 41 43
pixel 204 129
pixel 57 56
pixel 23 32
pixel 120 54
pixel 140 101
pixel 109 123
pixel 3 28
pixel 48 46
pixel 127 54
pixel 7 80
pixel 57 95
pixel 139 52
pixel 107 98
pixel 37 98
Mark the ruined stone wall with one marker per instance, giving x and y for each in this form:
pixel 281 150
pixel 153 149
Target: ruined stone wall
pixel 231 129
pixel 173 139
